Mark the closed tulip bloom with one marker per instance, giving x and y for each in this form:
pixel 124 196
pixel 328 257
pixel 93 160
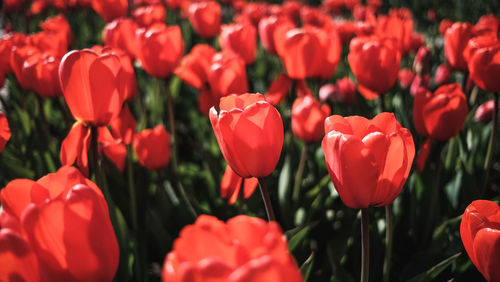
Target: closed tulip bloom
pixel 328 91
pixel 484 67
pixel 160 49
pixel 8 41
pixel 399 25
pixel 147 15
pixel 455 41
pixel 375 63
pixel 444 25
pixel 487 24
pixel 480 233
pixel 230 186
pixel 205 18
pixel 152 147
pixel 58 24
pixel 405 77
pixel 484 112
pixel 195 65
pixel 242 249
pixel 121 33
pixel 308 118
pixel 50 42
pixel 240 38
pixel 249 131
pixel 267 27
pixel 4 131
pixel 379 148
pixel 440 115
pixel 442 75
pixel 17 58
pixel 93 86
pixel 227 74
pixel 110 9
pixel 346 91
pixel 41 70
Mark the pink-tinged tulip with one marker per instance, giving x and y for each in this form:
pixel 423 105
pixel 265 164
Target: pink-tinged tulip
pixel 484 112
pixel 121 33
pixel 375 63
pixel 379 148
pixel 455 41
pixel 346 91
pixel 442 75
pixel 279 89
pixel 205 18
pixel 480 233
pixel 4 131
pixel 267 27
pixel 328 91
pixel 240 38
pixel 160 49
pixel 147 15
pixel 419 81
pixel 405 78
pixel 249 131
pixel 421 61
pixel 152 147
pixel 110 9
pixel 93 86
pixel 308 118
pixel 242 249
pixel 231 185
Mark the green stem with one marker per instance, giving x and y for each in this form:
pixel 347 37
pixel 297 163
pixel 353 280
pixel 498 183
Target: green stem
pixel 491 144
pixel 382 103
pixel 389 231
pixel 267 200
pixel 365 245
pixel 171 120
pixel 299 175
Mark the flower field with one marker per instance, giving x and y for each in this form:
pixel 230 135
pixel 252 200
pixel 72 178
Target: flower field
pixel 233 140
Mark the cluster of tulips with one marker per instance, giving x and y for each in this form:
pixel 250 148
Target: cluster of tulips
pixel 309 61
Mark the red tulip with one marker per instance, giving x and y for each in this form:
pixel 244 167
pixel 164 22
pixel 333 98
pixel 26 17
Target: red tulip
pixel 92 86
pixel 399 25
pixel 478 42
pixel 346 91
pixel 375 63
pixel 4 131
pixel 442 75
pixel 121 33
pixel 267 27
pixel 75 147
pixel 114 149
pixel 17 257
pixel 17 58
pixel 147 15
pixel 152 147
pixel 227 74
pixel 58 24
pixel 41 71
pixel 487 24
pixel 455 41
pixel 195 65
pixel 419 81
pixel 124 126
pixel 249 131
pixel 205 18
pixel 328 91
pixel 484 67
pixel 55 43
pixel 7 42
pixel 308 118
pixel 231 184
pixel 243 249
pixel 279 89
pixel 240 38
pixel 405 77
pixel 444 25
pixel 160 49
pixel 110 9
pixel 480 233
pixel 379 148
pixel 484 112
pixel 442 114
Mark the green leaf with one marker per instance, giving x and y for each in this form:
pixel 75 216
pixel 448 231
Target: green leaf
pixel 307 266
pixel 452 189
pixel 433 272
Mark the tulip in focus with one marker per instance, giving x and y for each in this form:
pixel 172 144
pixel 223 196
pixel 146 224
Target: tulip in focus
pixel 368 160
pixel 242 249
pixel 480 233
pixel 308 118
pixel 152 147
pixel 249 131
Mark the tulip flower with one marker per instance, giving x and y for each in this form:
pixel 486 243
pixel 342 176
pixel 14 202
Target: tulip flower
pixel 405 78
pixel 375 63
pixel 124 126
pixel 484 112
pixel 242 249
pixel 380 148
pixel 121 33
pixel 455 41
pixel 442 75
pixel 160 49
pixel 205 18
pixel 152 147
pixel 346 91
pixel 17 58
pixel 6 43
pixel 399 25
pixel 55 43
pixel 440 115
pixel 267 27
pixel 240 38
pixel 110 9
pixel 480 233
pixel 328 91
pixel 249 131
pixel 58 24
pixel 4 131
pixel 147 15
pixel 227 74
pixel 114 149
pixel 484 67
pixel 40 70
pixel 278 90
pixel 444 25
pixel 487 24
pixel 231 185
pixel 308 118
pixel 195 65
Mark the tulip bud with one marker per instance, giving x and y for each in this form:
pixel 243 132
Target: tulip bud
pixel 484 113
pixel 421 62
pixel 442 75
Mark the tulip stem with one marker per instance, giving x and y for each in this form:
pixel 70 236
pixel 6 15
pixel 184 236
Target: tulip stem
pixel 267 200
pixel 382 103
pixel 131 190
pixel 365 245
pixel 299 175
pixel 171 120
pixel 491 145
pixel 389 231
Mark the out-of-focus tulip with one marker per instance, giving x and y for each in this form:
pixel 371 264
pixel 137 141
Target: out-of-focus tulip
pixel 419 81
pixel 421 61
pixel 41 71
pixel 375 63
pixel 440 115
pixel 75 147
pixel 444 25
pixel 308 118
pixel 227 74
pixel 346 90
pixel 4 131
pixel 205 18
pixel 7 42
pixel 478 42
pixel 279 89
pixel 195 65
pixel 484 67
pixel 121 33
pixel 315 17
pixel 147 15
pixel 114 149
pixel 124 126
pixel 249 131
pixel 230 186
pixel 50 42
pixel 487 24
pixel 93 86
pixel 455 41
pixel 442 75
pixel 480 233
pixel 110 9
pixel 327 91
pixel 152 147
pixel 346 31
pixel 309 52
pixel 240 38
pixel 243 249
pixel 267 27
pixel 379 148
pixel 12 5
pixel 58 24
pixel 160 49
pixel 399 25
pixel 405 77
pixel 17 57
pixel 64 221
pixel 484 112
